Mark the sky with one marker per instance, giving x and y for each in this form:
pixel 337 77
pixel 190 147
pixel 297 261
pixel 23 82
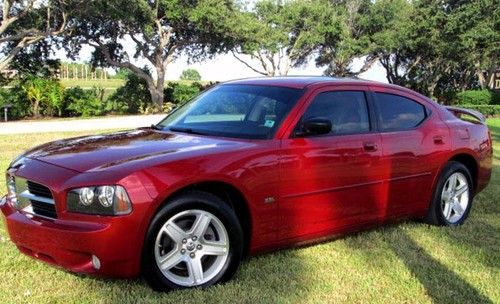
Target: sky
pixel 225 67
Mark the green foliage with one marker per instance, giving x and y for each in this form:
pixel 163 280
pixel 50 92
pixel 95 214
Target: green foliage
pixel 277 34
pixel 44 95
pixel 487 110
pixel 436 46
pixel 184 92
pixel 344 34
pixel 82 102
pixel 478 97
pixel 131 97
pixel 160 30
pixel 190 74
pixel 15 97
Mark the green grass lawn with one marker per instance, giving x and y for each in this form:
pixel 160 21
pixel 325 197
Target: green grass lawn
pixel 409 262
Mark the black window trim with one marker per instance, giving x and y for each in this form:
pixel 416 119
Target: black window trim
pixel 427 113
pixel 372 120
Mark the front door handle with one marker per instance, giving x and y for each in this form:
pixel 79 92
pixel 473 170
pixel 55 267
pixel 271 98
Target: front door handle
pixel 370 146
pixel 438 140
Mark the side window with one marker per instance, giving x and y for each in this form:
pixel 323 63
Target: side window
pixel 398 112
pixel 347 110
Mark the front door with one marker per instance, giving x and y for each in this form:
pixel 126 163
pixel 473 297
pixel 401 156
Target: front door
pixel 331 181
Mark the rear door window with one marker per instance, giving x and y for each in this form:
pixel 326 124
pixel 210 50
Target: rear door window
pixel 397 112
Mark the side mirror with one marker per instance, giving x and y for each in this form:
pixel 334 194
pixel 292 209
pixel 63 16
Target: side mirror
pixel 315 126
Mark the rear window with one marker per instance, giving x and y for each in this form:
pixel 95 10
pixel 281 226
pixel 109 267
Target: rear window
pixel 398 112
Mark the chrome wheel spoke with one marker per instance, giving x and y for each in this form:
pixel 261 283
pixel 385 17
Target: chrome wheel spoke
pixel 461 190
pixel 174 232
pixel 452 183
pixel 214 248
pixel 445 197
pixel 447 210
pixel 195 270
pixel 458 209
pixel 170 260
pixel 200 225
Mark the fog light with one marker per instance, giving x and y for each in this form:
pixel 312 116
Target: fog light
pixel 96 262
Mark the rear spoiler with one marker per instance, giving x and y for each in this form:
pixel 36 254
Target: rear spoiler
pixel 458 112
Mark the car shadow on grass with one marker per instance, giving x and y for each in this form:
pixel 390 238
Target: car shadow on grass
pixel 440 282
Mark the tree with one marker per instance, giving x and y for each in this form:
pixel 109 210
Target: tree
pixel 436 47
pixel 277 34
pixel 159 30
pixel 345 35
pixel 27 22
pixel 478 23
pixel 190 74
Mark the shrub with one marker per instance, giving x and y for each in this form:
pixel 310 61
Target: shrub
pixel 82 102
pixel 131 97
pixel 486 110
pixel 478 97
pixel 183 92
pixel 17 98
pixel 44 95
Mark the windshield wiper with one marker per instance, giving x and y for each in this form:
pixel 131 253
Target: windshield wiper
pixel 186 130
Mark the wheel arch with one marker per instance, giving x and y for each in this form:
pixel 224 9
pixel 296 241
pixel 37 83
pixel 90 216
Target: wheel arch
pixel 228 193
pixel 470 163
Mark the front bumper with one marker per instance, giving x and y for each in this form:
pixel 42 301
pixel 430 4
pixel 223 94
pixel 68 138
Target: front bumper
pixel 71 245
pixel 71 240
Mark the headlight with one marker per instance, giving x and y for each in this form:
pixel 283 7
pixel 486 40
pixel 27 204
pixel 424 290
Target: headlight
pixel 102 200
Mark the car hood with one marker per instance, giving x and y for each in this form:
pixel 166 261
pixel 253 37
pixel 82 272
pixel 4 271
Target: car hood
pixel 99 152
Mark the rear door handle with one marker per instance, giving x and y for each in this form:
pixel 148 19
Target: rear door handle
pixel 370 146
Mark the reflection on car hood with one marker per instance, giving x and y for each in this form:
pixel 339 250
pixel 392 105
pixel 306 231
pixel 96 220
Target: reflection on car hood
pixel 99 152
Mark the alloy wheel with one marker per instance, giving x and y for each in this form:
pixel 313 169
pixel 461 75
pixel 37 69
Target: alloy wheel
pixel 455 197
pixel 191 248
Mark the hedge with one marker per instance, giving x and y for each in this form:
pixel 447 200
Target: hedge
pixel 478 97
pixel 486 110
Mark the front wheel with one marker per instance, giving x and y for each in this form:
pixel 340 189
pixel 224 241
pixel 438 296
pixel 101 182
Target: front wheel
pixel 195 240
pixel 453 196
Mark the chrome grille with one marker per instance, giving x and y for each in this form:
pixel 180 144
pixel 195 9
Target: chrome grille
pixel 39 190
pixel 43 209
pixel 35 198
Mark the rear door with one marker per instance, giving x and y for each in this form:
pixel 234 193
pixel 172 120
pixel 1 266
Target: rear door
pixel 331 181
pixel 411 144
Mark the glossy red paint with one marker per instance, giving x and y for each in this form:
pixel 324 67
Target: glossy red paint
pixel 321 186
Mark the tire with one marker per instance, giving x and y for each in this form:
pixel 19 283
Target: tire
pixel 451 204
pixel 210 238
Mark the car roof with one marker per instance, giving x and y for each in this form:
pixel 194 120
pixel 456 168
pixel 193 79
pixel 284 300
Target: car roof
pixel 297 82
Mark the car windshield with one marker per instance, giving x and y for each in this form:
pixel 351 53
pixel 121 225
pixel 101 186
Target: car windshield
pixel 239 111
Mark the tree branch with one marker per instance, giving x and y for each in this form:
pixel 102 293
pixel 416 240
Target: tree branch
pixel 248 65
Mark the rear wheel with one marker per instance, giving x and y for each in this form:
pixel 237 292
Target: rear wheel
pixel 195 240
pixel 453 196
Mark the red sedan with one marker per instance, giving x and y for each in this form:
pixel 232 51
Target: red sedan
pixel 247 166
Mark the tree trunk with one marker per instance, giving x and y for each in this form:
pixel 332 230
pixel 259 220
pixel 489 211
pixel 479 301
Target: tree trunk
pixel 156 98
pixel 36 109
